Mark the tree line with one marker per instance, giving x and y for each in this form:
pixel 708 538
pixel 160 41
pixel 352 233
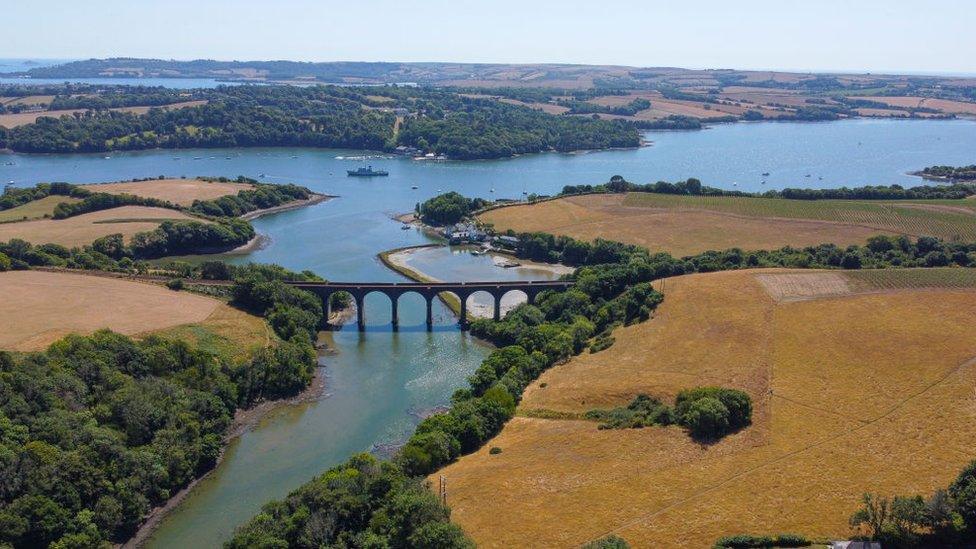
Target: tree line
pixel 97 430
pixel 694 187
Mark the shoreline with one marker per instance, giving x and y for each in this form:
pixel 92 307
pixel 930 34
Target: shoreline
pixel 244 420
pixel 262 241
pixel 397 260
pixel 316 198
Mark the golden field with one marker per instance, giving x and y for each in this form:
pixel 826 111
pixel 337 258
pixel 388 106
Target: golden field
pixel 86 228
pixel 20 119
pixel 685 225
pixel 178 191
pixel 866 389
pixel 50 305
pixel 665 229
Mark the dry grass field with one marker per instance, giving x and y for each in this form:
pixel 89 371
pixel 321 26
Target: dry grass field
pixel 86 228
pixel 685 225
pixel 27 100
pixel 864 390
pixel 227 332
pixel 20 119
pixel 177 191
pixel 944 105
pixel 34 210
pixel 49 306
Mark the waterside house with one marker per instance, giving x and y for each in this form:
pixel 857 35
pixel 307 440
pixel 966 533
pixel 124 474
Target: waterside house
pixel 505 241
pixel 464 233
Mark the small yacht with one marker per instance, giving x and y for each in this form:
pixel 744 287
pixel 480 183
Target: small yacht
pixel 414 187
pixel 492 190
pixel 765 174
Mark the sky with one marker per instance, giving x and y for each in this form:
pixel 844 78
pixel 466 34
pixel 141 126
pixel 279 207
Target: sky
pixel 824 35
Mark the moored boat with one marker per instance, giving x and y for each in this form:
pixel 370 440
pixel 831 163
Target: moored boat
pixel 366 171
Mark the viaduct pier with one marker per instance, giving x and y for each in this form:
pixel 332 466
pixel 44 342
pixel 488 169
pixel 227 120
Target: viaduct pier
pixel 429 291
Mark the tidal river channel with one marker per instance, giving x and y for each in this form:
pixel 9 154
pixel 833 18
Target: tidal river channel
pixel 379 383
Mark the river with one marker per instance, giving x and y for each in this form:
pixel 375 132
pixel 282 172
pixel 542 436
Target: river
pixel 379 382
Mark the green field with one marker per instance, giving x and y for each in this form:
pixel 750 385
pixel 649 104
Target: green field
pixel 36 209
pixel 896 279
pixel 946 219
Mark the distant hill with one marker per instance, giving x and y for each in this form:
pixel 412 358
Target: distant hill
pixel 478 75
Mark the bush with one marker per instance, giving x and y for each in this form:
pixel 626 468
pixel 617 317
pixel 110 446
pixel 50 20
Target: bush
pixel 495 450
pixel 707 418
pixel 5 264
pixel 737 404
pixel 643 411
pixel 175 284
pixel 610 542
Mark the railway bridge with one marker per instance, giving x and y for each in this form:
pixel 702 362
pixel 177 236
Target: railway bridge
pixel 429 291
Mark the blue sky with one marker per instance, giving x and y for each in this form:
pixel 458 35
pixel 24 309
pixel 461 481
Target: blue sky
pixel 848 35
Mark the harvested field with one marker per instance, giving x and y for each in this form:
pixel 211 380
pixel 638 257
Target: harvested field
pixel 544 107
pixel 837 413
pixel 49 306
pixel 20 119
pixel 797 286
pixel 178 191
pixel 24 118
pixel 685 225
pixel 919 218
pixel 34 210
pixel 28 100
pixel 86 228
pixel 943 105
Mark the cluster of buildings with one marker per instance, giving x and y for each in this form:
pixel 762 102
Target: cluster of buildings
pixel 469 233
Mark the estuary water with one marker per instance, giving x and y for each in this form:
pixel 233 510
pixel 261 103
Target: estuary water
pixel 379 382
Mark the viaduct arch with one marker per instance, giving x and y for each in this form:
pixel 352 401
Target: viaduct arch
pixel 429 291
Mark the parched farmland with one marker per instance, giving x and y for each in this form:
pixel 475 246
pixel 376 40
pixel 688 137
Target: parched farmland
pixel 49 306
pixel 684 225
pixel 178 191
pixel 86 228
pixel 862 389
